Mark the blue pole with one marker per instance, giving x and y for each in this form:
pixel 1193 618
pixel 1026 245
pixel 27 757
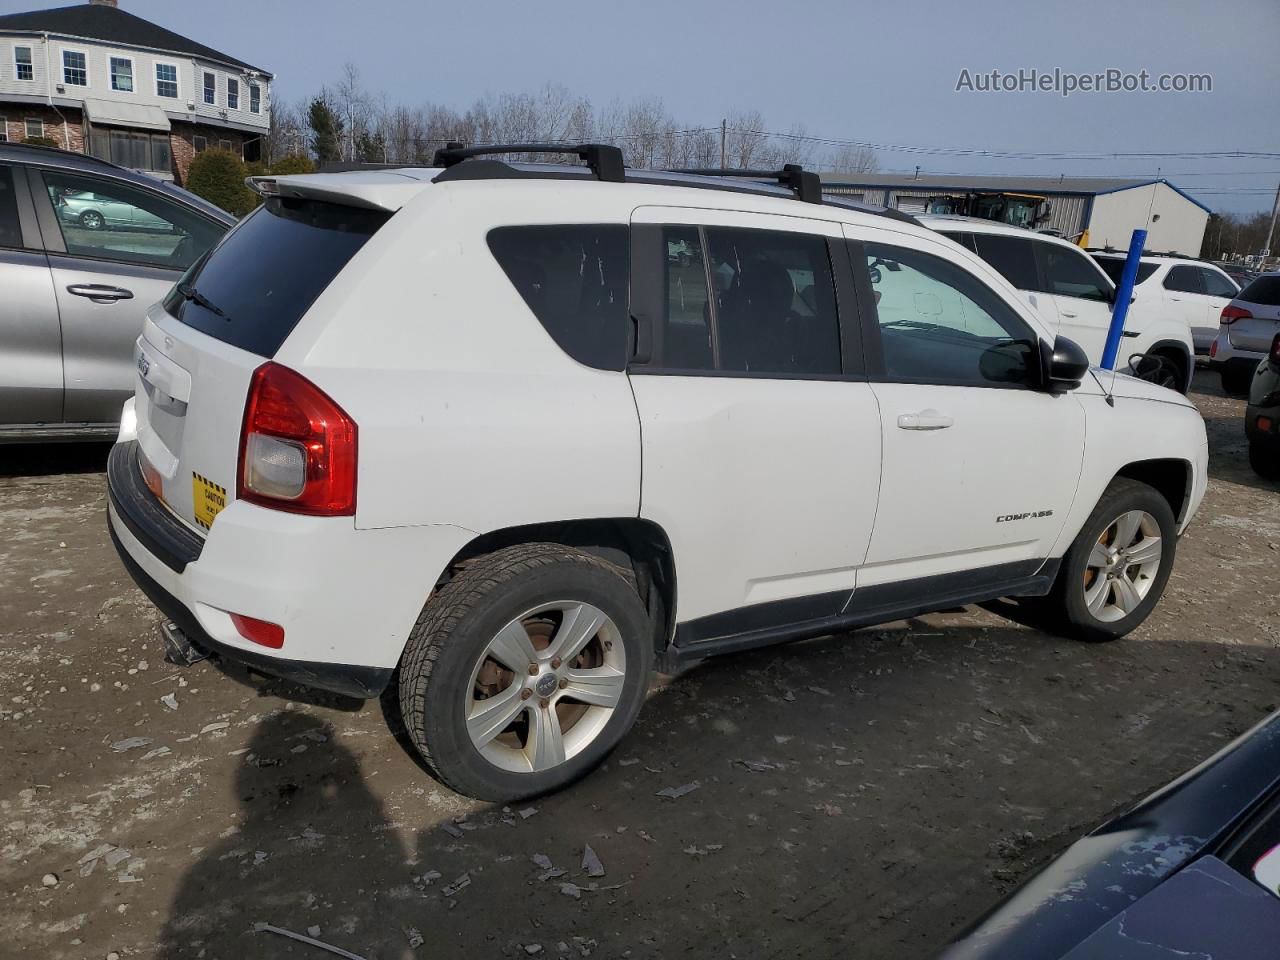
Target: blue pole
pixel 1124 293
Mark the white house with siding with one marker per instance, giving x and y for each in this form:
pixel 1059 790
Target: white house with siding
pixel 95 78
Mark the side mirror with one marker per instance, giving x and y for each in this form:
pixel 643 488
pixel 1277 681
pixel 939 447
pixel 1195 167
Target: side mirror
pixel 1066 365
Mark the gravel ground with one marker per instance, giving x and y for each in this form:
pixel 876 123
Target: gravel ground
pixel 859 795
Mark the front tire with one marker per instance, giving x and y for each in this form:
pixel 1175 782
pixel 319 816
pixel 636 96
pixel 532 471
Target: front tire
pixel 525 670
pixel 1265 460
pixel 1236 381
pixel 1116 570
pixel 91 220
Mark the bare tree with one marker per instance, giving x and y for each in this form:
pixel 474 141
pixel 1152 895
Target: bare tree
pixel 852 159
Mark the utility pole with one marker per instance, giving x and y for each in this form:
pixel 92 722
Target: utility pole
pixel 1266 247
pixel 724 130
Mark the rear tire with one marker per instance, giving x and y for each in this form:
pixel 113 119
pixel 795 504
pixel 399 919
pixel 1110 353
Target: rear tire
pixel 489 705
pixel 1116 570
pixel 91 220
pixel 1265 460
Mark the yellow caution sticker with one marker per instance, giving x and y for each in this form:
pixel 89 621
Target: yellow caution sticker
pixel 207 499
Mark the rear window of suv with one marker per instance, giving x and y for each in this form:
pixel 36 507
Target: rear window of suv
pixel 268 271
pixel 1264 290
pixel 1114 266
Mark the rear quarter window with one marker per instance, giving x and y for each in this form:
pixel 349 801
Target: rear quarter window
pixel 1264 290
pixel 574 279
pixel 267 272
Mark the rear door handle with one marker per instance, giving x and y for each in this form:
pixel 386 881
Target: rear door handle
pixel 1070 316
pixel 100 292
pixel 924 420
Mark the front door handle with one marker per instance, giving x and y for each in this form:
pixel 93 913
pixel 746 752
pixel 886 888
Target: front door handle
pixel 924 420
pixel 100 292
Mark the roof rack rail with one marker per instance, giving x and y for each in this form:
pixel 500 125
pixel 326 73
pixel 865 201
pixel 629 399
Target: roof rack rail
pixel 806 185
pixel 604 159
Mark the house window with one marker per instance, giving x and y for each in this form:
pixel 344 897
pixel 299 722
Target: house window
pixel 199 143
pixel 22 63
pixel 35 127
pixel 4 130
pixel 233 94
pixel 255 98
pixel 122 74
pixel 225 144
pixel 210 89
pixel 167 80
pixel 75 70
pixel 138 151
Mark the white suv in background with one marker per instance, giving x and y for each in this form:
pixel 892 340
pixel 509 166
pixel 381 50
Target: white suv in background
pixel 1074 295
pixel 512 435
pixel 1194 291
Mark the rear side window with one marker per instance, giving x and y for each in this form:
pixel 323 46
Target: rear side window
pixel 1012 256
pixel 775 302
pixel 574 279
pixel 1264 290
pixel 269 270
pixel 1217 285
pixel 1114 266
pixel 1184 279
pixel 1069 273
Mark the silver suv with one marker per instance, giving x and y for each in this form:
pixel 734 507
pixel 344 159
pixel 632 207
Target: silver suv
pixel 85 248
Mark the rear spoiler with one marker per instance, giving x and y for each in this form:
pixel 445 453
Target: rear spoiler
pixel 371 195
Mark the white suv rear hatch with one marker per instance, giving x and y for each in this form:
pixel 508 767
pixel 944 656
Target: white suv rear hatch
pixel 228 315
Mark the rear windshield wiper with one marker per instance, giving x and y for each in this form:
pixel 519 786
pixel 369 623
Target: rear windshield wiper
pixel 195 296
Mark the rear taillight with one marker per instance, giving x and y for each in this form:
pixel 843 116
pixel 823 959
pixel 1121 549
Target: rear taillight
pixel 1231 314
pixel 297 447
pixel 1274 354
pixel 1213 349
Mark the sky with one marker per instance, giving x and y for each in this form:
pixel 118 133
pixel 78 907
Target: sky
pixel 884 73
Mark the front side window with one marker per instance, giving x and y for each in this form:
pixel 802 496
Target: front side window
pixel 23 69
pixel 167 80
pixel 1013 257
pixel 35 127
pixel 233 94
pixel 122 74
pixel 210 89
pixel 255 98
pixel 1184 279
pixel 940 324
pixel 109 220
pixel 75 71
pixel 573 278
pixel 1217 285
pixel 1068 273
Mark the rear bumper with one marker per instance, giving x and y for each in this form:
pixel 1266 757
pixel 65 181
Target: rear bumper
pixel 347 679
pixel 346 598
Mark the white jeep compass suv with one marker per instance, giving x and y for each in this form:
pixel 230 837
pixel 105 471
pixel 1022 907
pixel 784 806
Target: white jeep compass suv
pixel 513 435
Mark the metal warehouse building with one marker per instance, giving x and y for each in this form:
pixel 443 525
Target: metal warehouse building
pixel 1109 209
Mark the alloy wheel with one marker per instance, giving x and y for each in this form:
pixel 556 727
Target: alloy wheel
pixel 1122 566
pixel 545 686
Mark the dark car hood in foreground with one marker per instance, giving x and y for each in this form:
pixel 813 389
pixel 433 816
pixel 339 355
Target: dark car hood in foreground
pixel 1104 874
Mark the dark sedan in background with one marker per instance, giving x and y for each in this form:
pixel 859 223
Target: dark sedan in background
pixel 1191 871
pixel 1262 416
